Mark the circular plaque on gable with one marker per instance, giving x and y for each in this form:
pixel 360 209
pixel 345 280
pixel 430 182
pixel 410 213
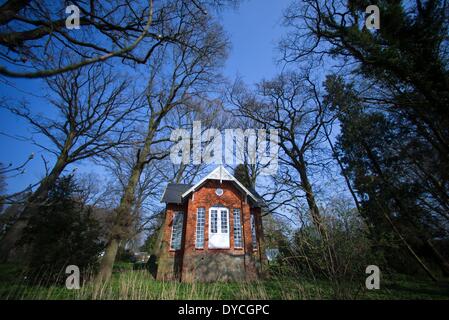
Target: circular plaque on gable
pixel 219 192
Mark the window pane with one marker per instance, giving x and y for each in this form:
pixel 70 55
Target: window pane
pixel 238 243
pixel 224 221
pixel 253 232
pixel 176 234
pixel 213 221
pixel 200 219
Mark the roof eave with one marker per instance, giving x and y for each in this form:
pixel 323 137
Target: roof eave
pixel 192 189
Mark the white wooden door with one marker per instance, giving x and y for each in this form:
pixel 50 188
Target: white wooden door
pixel 219 228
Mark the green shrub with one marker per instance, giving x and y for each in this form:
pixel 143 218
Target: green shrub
pixel 61 233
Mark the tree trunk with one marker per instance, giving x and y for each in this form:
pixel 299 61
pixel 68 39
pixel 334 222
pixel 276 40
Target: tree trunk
pixel 123 219
pixel 310 197
pixel 444 265
pixel 379 171
pixel 315 213
pixel 120 229
pixel 345 176
pixel 409 248
pixel 107 263
pixel 8 244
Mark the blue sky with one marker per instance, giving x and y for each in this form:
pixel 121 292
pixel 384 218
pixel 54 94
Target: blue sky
pixel 254 30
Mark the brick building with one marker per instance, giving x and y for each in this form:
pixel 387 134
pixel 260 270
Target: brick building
pixel 212 231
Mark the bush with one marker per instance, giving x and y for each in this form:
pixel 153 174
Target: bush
pixel 61 233
pixel 340 260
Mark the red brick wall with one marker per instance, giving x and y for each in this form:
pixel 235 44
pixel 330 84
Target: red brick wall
pixel 166 260
pixel 189 256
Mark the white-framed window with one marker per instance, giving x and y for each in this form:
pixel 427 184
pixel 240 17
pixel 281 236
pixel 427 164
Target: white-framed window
pixel 224 221
pixel 176 231
pixel 253 231
pixel 238 238
pixel 200 220
pixel 219 228
pixel 213 220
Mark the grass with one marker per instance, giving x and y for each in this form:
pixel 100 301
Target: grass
pixel 139 284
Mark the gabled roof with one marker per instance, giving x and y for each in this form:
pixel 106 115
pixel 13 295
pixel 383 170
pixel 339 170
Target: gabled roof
pixel 260 200
pixel 175 193
pixel 220 173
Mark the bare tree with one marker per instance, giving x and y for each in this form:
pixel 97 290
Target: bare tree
pixel 403 88
pixel 147 209
pixel 12 171
pixel 247 162
pixel 178 74
pixel 91 110
pixel 288 104
pixel 34 32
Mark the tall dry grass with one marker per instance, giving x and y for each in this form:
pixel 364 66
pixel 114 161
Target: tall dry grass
pixel 140 285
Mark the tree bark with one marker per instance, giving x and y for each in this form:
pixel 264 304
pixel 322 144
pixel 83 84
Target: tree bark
pixel 310 197
pixel 10 9
pixel 107 263
pixel 123 218
pixel 345 176
pixel 444 265
pixel 315 212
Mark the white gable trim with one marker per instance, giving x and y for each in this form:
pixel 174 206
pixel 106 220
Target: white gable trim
pixel 219 173
pixel 163 194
